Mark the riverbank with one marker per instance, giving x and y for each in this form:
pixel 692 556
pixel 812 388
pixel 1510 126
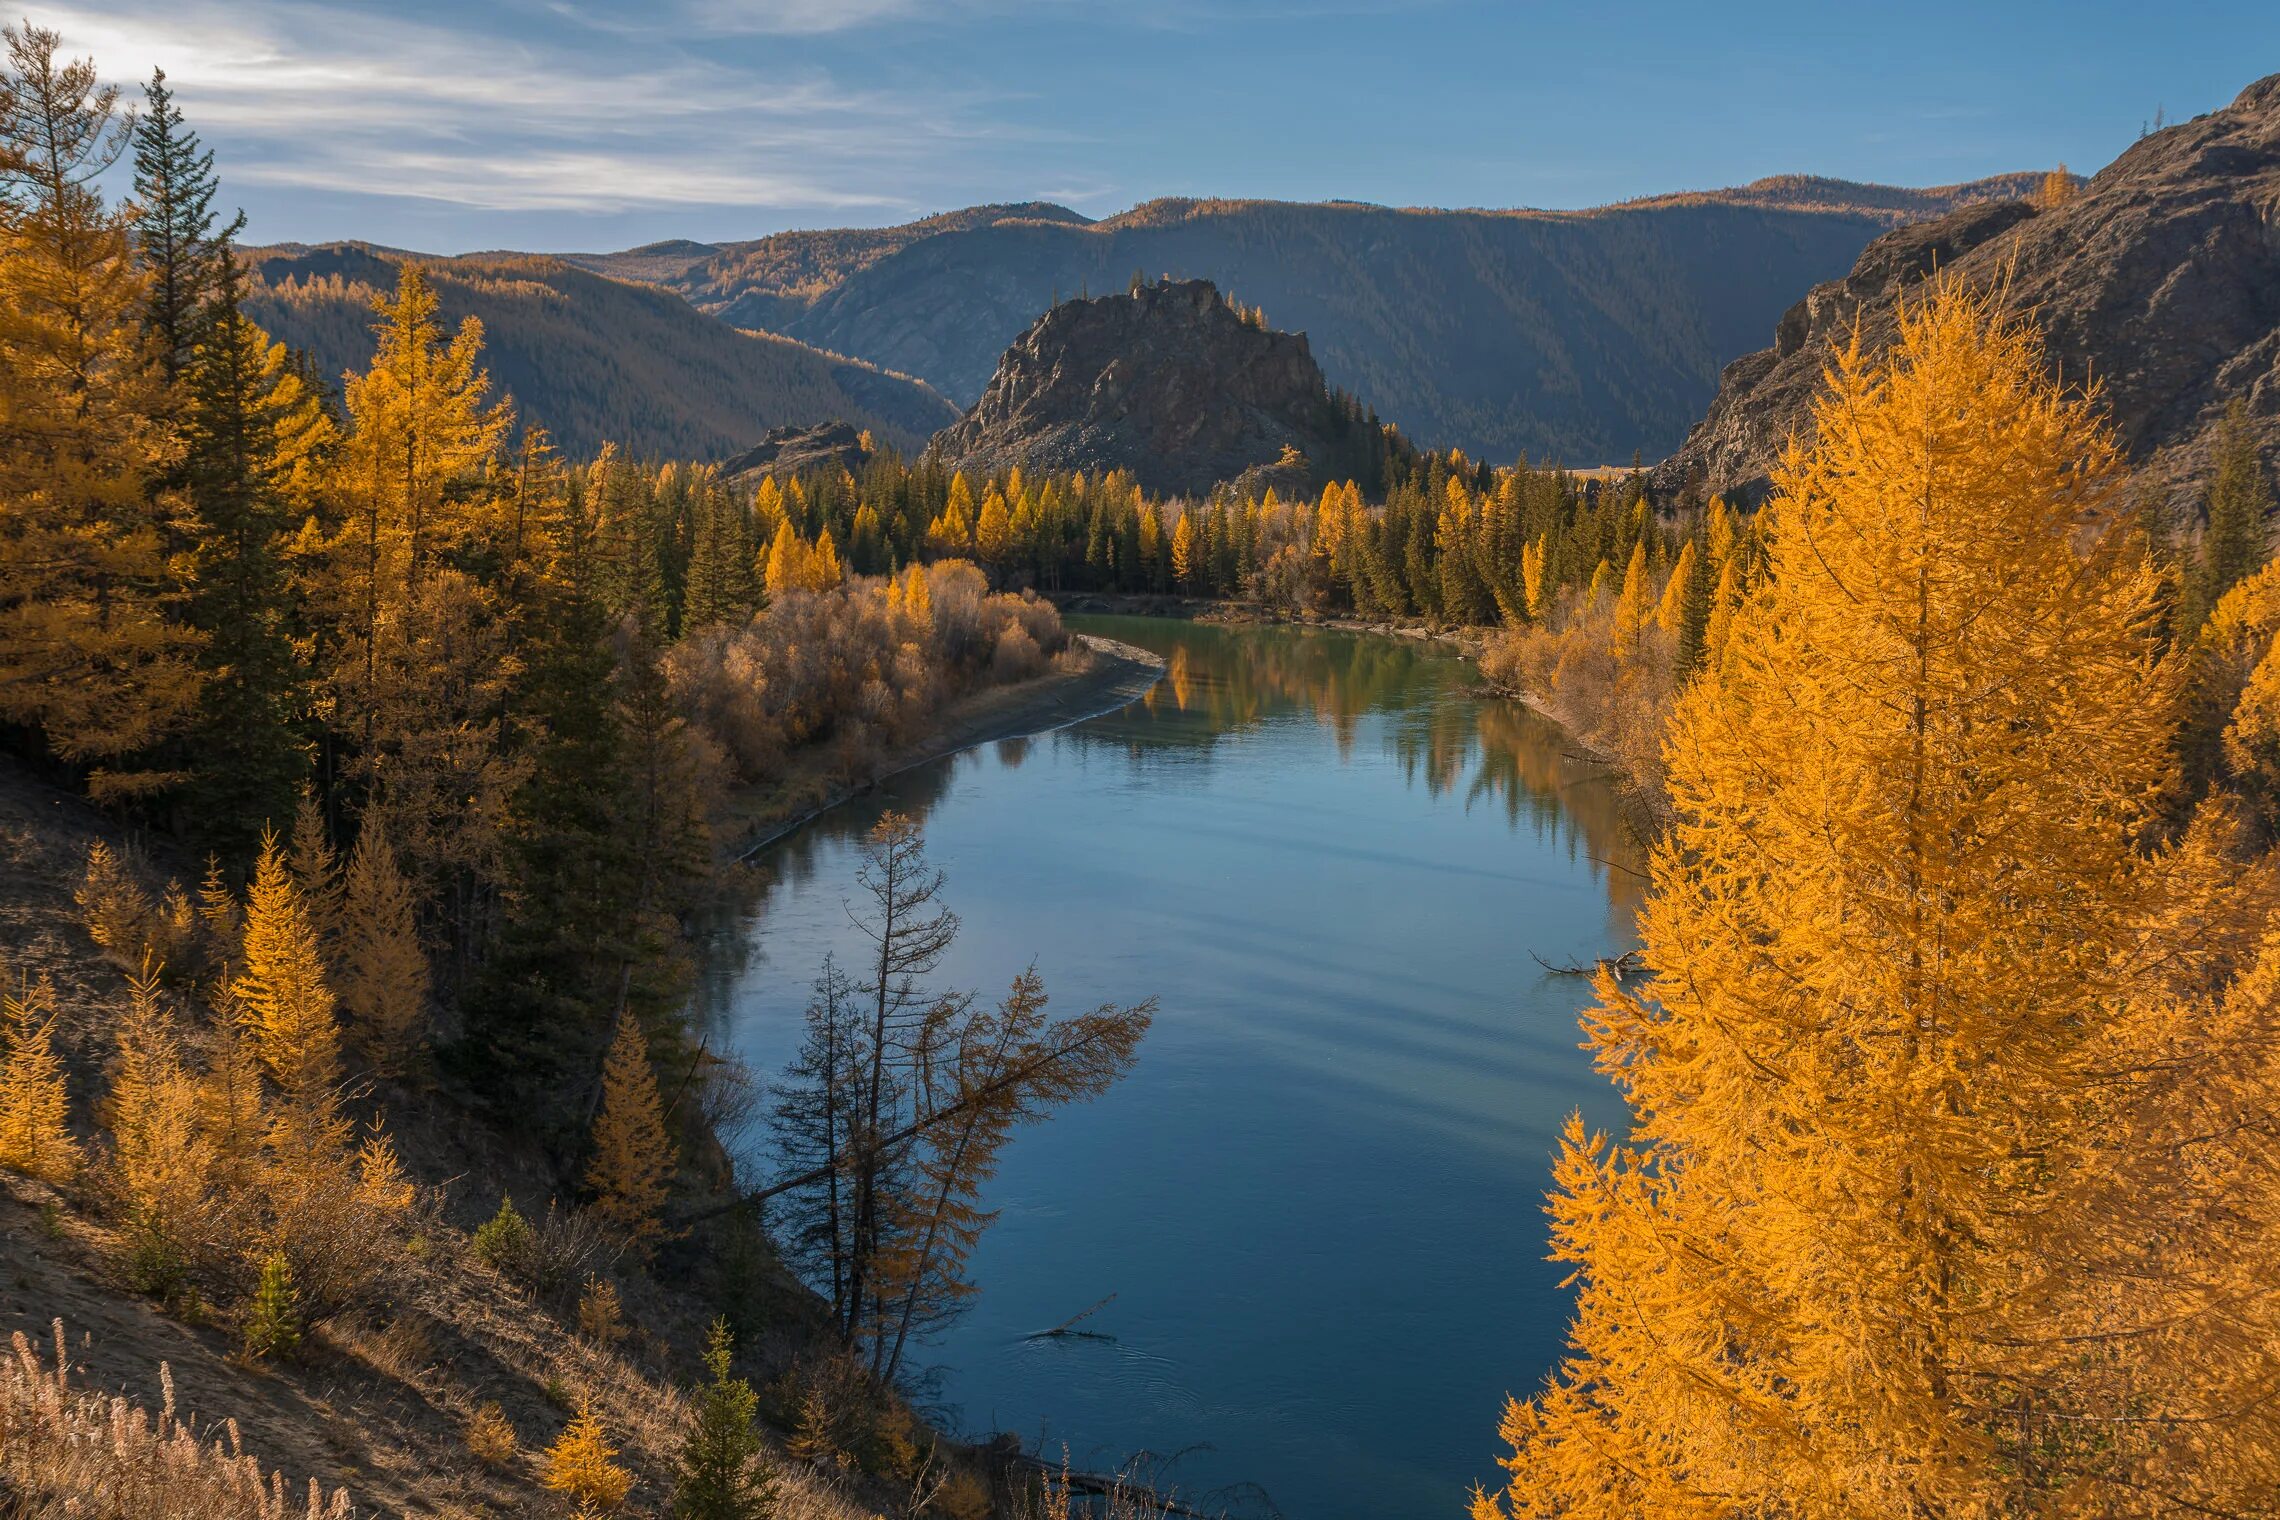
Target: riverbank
pixel 1093 676
pixel 1469 644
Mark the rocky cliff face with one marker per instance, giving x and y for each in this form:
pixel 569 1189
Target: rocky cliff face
pixel 1168 383
pixel 2160 279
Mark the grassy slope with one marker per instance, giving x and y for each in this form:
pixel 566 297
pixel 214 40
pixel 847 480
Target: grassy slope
pixel 380 1402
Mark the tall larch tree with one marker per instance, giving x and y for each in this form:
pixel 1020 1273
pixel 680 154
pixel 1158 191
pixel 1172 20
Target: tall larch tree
pixel 286 1004
pixel 384 975
pixel 632 1164
pixel 92 654
pixel 1845 1263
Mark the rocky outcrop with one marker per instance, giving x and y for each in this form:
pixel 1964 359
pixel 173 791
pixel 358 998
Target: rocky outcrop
pixel 1169 383
pixel 790 449
pixel 2159 280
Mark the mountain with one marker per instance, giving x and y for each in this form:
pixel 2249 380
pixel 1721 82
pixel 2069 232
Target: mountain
pixel 592 359
pixel 1169 383
pixel 1578 335
pixel 2159 278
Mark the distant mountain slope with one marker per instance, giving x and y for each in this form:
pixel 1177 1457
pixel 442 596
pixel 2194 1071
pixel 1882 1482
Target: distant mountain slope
pixel 1170 384
pixel 593 359
pixel 1577 335
pixel 2160 278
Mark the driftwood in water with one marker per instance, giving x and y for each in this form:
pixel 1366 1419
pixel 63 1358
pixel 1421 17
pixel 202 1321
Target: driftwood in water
pixel 1629 963
pixel 1066 1329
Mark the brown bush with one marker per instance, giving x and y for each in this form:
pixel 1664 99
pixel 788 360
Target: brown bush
pixel 855 667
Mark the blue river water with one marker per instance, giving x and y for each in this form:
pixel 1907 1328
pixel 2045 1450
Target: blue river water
pixel 1315 1207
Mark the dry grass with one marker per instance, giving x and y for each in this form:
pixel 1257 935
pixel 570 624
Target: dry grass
pixel 70 1452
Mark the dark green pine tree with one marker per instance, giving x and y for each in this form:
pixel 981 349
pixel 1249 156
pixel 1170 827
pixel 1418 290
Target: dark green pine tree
pixel 1096 548
pixel 1129 571
pixel 251 755
pixel 630 567
pixel 720 586
pixel 1417 569
pixel 721 1474
pixel 539 1011
pixel 1694 612
pixel 659 825
pixel 174 187
pixel 2235 545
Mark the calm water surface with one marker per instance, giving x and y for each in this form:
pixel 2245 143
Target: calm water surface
pixel 1317 1200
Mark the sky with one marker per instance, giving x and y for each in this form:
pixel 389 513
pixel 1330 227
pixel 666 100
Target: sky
pixel 589 125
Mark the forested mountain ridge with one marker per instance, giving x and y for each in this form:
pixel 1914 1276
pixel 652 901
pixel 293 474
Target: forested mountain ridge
pixel 591 359
pixel 2159 279
pixel 1582 335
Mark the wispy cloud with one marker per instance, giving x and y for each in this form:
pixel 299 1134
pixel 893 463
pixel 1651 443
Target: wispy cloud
pixel 322 97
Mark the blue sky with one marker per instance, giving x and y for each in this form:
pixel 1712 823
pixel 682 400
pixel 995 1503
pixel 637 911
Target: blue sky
pixel 595 124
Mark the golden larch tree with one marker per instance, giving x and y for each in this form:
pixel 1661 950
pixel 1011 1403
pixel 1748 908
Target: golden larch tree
pixel 165 1162
pixel 632 1165
pixel 384 976
pixel 285 1003
pixel 35 1106
pixel 581 1466
pixel 1840 1266
pixel 1672 606
pixel 315 865
pixel 91 653
pixel 993 531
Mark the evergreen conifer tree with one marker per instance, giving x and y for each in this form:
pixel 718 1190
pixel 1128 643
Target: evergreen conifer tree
pixel 174 189
pixel 1694 606
pixel 722 1475
pixel 2237 541
pixel 248 424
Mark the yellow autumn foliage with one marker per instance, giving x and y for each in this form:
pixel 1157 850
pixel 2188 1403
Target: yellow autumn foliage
pixel 1885 1236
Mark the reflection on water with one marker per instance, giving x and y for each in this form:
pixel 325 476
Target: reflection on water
pixel 1317 1202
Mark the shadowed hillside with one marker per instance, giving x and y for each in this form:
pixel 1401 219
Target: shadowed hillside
pixel 593 360
pixel 1578 335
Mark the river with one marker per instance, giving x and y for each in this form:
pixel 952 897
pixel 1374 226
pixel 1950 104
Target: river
pixel 1317 1201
